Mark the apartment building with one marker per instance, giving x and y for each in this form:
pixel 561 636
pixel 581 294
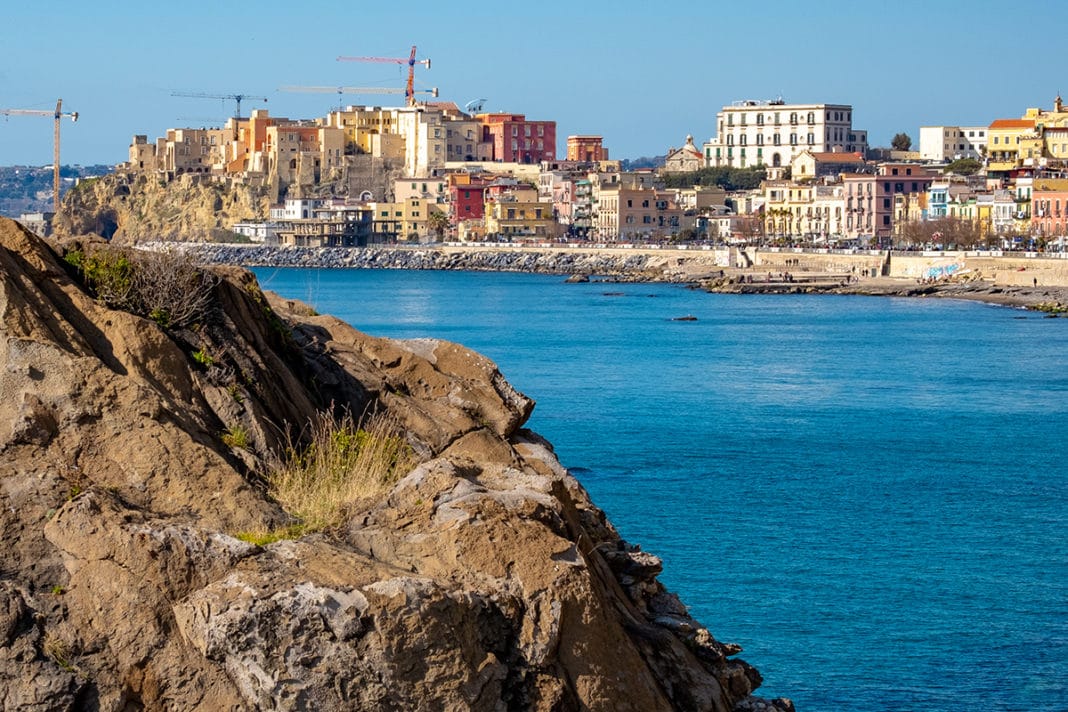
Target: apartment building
pixel 1011 143
pixel 514 139
pixel 628 214
pixel 949 143
pixel 812 211
pixel 872 200
pixel 770 133
pixel 1049 208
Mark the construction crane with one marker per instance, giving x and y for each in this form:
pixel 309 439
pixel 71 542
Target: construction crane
pixel 57 114
pixel 235 97
pixel 411 61
pixel 355 90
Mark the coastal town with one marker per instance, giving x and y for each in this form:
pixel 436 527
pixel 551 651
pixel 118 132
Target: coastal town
pixel 773 173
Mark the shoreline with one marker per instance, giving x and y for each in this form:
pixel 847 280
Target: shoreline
pixel 1053 300
pixel 701 271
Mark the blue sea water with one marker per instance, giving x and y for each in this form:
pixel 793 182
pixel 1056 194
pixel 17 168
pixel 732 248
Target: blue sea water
pixel 869 495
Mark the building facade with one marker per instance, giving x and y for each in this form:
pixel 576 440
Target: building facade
pixel 514 139
pixel 770 133
pixel 949 143
pixel 586 148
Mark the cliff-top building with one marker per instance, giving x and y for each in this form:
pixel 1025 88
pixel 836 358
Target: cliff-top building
pixel 589 149
pixel 770 133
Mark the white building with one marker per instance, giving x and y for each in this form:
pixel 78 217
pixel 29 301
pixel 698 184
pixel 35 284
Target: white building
pixel 296 209
pixel 770 133
pixel 948 143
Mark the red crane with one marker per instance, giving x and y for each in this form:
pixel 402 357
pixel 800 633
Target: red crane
pixel 411 61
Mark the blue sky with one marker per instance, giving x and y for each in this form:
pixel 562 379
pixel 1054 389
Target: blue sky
pixel 641 74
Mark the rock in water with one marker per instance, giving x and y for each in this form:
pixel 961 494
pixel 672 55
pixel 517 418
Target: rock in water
pixel 483 579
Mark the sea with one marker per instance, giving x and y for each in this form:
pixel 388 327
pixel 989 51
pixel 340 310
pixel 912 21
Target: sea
pixel 869 495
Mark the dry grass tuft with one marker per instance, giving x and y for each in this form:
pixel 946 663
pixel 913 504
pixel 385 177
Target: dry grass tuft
pixel 345 463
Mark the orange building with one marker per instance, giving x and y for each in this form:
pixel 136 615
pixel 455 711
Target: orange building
pixel 586 148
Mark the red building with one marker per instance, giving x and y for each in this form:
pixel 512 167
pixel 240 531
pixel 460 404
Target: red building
pixel 516 140
pixel 467 198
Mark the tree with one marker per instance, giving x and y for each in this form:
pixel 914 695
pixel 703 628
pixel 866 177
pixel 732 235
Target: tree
pixel 964 166
pixel 901 142
pixel 438 222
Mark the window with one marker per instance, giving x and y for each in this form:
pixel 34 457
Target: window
pixel 811 139
pixel 886 220
pixel 886 202
pixel 526 130
pixel 776 139
pixel 742 140
pixel 793 139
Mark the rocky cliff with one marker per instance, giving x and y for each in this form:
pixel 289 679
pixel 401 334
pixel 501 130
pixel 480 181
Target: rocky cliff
pixel 483 578
pixel 128 208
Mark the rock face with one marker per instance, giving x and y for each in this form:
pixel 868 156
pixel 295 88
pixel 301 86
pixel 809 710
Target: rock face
pixel 484 579
pixel 128 208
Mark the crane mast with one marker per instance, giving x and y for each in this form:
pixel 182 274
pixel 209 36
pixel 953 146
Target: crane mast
pixel 411 61
pixel 56 115
pixel 236 98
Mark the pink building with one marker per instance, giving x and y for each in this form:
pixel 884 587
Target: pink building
pixel 870 198
pixel 516 140
pixel 1049 212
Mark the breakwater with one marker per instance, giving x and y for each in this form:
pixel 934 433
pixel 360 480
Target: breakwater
pixel 649 264
pixel 617 264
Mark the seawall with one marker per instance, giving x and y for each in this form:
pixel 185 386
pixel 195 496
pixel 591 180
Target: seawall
pixel 669 264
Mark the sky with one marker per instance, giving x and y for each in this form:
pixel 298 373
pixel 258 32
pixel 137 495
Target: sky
pixel 642 75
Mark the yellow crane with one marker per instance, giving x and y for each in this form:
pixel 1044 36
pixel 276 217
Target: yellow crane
pixel 355 90
pixel 57 114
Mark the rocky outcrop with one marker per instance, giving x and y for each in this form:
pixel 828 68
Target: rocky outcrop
pixel 484 579
pixel 127 207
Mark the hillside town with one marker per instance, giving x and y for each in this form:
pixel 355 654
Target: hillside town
pixel 433 171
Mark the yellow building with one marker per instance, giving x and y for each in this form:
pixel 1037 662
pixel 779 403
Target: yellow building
pixel 404 221
pixel 520 215
pixel 807 210
pixel 1010 142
